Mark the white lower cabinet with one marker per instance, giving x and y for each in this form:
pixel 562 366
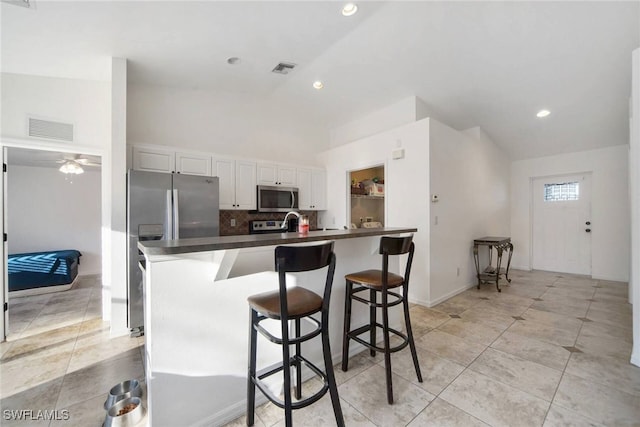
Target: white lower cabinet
pixel 312 188
pixel 237 183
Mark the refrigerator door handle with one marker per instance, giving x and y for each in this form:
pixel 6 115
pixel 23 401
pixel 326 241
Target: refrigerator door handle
pixel 167 217
pixel 176 217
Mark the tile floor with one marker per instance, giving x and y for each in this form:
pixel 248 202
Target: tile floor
pixel 58 356
pixel 551 349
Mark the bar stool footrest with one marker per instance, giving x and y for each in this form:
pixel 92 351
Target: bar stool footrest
pixel 294 340
pixel 366 328
pixel 300 403
pixel 398 298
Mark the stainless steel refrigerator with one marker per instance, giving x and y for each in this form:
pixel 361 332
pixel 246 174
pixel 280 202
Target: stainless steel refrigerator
pixel 162 206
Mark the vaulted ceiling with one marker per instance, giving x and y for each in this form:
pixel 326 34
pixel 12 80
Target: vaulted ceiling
pixel 488 64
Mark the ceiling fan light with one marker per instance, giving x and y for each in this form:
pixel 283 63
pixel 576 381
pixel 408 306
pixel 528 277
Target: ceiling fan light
pixel 71 167
pixel 349 9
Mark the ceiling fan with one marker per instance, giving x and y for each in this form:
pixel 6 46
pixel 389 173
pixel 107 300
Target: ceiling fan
pixel 73 164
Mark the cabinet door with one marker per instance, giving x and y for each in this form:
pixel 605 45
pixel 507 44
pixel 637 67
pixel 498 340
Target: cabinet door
pixel 246 193
pixel 319 190
pixel 304 189
pixel 153 159
pixel 267 173
pixel 225 170
pixel 287 176
pixel 193 164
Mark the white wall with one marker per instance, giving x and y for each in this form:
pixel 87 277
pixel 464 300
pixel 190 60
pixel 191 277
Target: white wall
pixel 223 123
pixel 48 210
pixel 115 203
pixel 634 192
pixel 394 115
pixel 470 175
pixel 81 102
pixel 609 206
pixel 406 188
pixel 86 104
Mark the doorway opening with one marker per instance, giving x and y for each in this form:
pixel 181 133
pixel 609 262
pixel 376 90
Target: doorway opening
pixel 53 221
pixel 367 206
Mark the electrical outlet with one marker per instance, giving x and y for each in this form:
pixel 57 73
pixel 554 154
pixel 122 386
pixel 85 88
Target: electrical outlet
pixel 233 222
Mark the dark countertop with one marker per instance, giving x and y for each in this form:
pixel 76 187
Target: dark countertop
pixel 204 244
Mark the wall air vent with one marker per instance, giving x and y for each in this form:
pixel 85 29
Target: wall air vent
pixel 283 68
pixel 39 128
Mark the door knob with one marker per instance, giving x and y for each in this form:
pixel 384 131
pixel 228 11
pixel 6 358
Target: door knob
pixel 588 230
pixel 588 223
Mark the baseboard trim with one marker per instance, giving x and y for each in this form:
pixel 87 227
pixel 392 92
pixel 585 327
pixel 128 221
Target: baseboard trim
pixel 610 279
pixel 449 295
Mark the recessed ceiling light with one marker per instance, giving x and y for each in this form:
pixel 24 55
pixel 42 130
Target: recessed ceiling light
pixel 318 85
pixel 349 9
pixel 543 113
pixel 233 60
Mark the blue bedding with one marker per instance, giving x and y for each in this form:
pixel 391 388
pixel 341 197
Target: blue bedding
pixel 39 269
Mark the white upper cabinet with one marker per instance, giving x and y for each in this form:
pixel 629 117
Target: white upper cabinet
pixel 238 178
pixel 237 183
pixel 158 159
pixel 246 185
pixel 193 164
pixel 304 189
pixel 319 189
pixel 275 174
pixel 312 189
pixel 153 159
pixel 225 170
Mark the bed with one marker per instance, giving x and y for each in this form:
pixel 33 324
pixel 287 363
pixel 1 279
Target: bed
pixel 42 272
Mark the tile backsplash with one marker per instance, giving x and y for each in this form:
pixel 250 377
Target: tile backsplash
pixel 243 217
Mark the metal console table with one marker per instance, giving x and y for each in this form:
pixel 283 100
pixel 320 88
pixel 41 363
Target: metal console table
pixel 490 273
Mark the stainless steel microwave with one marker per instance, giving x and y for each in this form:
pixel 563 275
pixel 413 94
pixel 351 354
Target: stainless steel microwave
pixel 277 199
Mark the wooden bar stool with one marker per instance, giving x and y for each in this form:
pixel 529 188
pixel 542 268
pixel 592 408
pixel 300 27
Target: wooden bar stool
pixel 381 281
pixel 295 304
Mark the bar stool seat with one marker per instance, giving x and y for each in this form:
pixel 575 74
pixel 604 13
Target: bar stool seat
pixel 380 282
pixel 301 302
pixel 373 279
pixel 296 304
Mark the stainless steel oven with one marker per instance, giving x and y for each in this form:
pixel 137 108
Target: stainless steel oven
pixel 277 199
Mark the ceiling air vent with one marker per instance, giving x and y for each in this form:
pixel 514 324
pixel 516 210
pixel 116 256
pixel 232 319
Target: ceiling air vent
pixel 284 68
pixel 23 3
pixel 39 128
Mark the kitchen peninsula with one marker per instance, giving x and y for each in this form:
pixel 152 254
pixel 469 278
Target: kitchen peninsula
pixel 197 317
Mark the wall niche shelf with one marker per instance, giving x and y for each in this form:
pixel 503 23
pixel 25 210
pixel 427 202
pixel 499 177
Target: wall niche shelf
pixel 366 196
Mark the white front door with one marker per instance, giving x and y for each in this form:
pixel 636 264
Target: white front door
pixel 562 223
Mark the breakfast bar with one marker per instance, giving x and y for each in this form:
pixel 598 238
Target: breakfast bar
pixel 197 317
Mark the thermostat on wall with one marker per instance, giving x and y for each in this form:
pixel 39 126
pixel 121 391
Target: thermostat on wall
pixel 397 154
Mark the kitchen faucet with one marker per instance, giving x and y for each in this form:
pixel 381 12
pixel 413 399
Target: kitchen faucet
pixel 284 221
